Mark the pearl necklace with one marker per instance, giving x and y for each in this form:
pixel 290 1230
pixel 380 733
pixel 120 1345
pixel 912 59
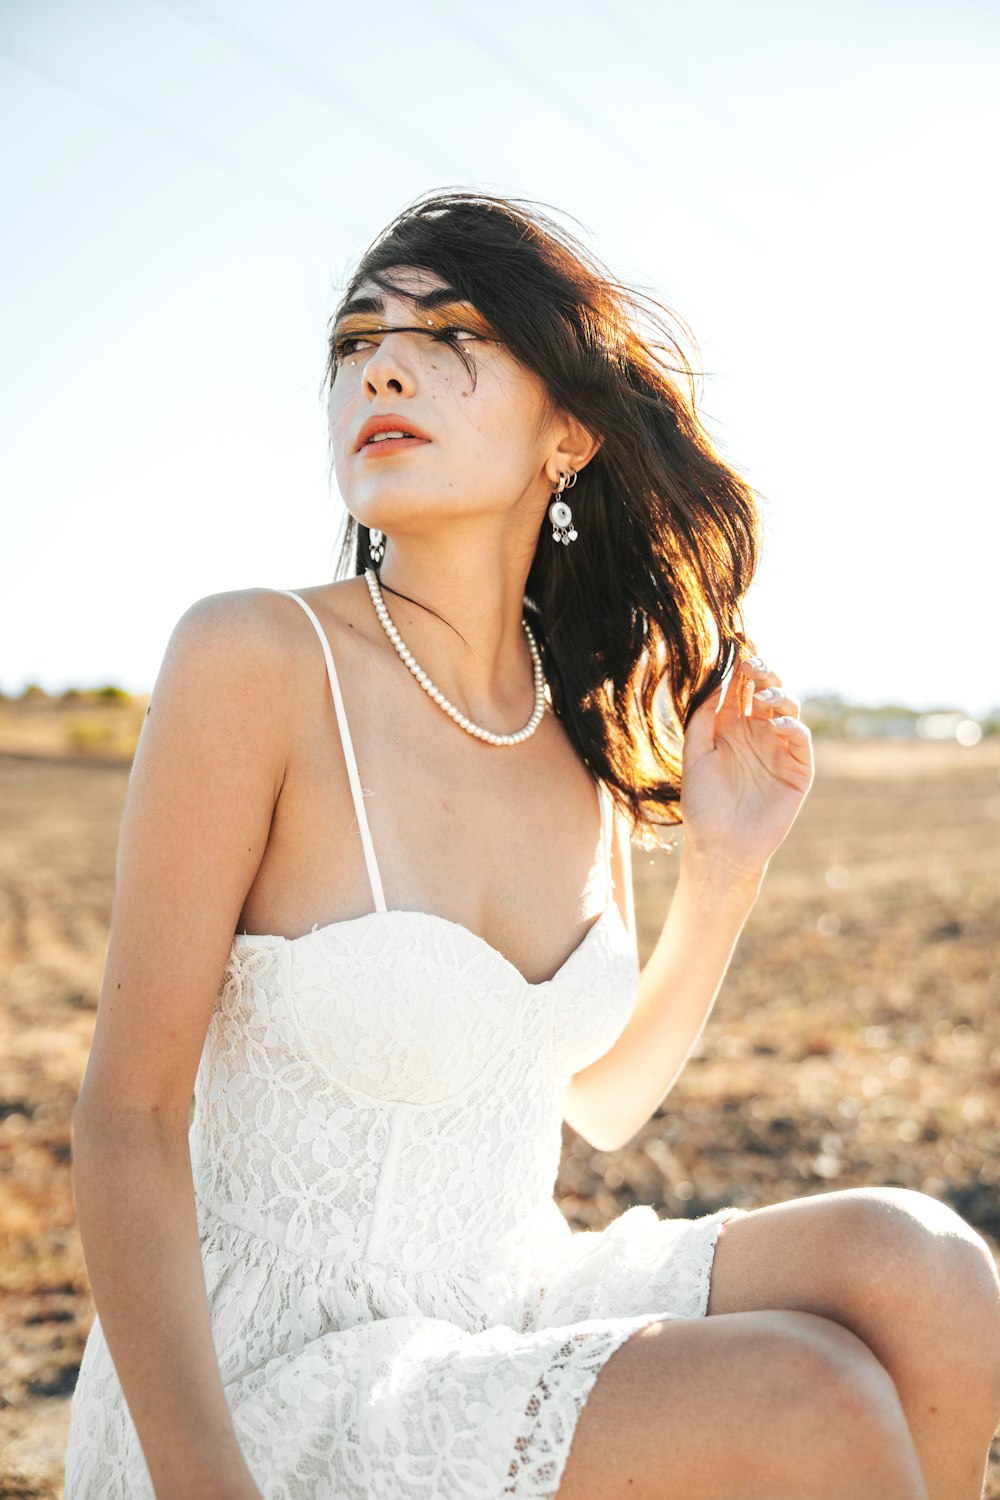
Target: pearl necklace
pixel 436 693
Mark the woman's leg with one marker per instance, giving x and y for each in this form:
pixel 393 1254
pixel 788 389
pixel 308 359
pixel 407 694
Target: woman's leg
pixel 753 1406
pixel 909 1278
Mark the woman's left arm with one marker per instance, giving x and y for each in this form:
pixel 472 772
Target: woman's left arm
pixel 744 778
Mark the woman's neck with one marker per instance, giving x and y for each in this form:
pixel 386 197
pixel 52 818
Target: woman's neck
pixel 476 652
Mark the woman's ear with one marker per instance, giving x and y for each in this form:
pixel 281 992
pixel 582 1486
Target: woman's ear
pixel 577 445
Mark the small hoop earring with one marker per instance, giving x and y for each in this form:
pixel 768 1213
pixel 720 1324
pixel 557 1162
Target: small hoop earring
pixel 376 545
pixel 559 512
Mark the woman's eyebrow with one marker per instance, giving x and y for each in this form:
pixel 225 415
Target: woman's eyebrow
pixel 437 298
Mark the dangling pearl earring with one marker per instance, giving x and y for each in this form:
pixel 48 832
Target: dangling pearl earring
pixel 376 545
pixel 559 512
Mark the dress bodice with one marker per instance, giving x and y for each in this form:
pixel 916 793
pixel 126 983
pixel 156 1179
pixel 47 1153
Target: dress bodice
pixel 372 1082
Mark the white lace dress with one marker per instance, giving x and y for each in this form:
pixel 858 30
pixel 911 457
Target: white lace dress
pixel 398 1307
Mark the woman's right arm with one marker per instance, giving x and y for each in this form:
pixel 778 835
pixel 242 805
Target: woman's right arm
pixel 206 776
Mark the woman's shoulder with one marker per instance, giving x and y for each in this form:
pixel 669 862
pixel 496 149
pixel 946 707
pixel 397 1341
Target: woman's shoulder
pixel 241 662
pixel 261 625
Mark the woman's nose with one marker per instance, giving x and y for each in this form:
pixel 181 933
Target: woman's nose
pixel 390 365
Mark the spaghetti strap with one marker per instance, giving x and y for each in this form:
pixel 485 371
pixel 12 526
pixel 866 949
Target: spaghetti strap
pixel 607 817
pixel 371 863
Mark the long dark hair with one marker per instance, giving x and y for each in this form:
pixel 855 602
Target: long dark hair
pixel 639 619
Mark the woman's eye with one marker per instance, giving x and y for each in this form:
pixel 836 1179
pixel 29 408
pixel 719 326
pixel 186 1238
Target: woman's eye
pixel 343 347
pixel 351 343
pixel 447 332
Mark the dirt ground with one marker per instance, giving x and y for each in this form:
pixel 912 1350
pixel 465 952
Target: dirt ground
pixel 856 1039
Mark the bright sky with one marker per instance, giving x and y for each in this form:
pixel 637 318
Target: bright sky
pixel 187 184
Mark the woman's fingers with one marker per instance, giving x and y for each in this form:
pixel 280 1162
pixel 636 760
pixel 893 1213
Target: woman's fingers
pixel 757 681
pixel 796 735
pixel 770 702
pixel 774 703
pixel 759 672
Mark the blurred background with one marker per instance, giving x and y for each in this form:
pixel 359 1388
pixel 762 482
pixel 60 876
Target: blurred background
pixel 189 182
pixel 186 187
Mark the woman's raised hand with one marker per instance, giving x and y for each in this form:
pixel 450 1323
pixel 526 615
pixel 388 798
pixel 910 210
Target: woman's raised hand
pixel 744 775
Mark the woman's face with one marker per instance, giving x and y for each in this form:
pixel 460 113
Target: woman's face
pixel 480 449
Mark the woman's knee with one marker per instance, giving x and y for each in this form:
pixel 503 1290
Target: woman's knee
pixel 765 1403
pixel 921 1261
pixel 914 1245
pixel 828 1398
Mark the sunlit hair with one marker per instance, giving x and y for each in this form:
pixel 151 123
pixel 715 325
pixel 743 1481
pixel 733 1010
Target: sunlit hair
pixel 640 618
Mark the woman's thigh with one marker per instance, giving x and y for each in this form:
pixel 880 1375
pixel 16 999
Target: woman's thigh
pixel 852 1255
pixel 742 1407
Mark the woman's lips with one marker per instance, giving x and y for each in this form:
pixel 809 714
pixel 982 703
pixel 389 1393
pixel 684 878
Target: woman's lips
pixel 392 445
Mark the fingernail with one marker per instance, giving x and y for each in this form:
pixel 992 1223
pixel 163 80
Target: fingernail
pixel 766 695
pixel 755 661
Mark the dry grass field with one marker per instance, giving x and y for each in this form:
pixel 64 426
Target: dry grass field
pixel 856 1039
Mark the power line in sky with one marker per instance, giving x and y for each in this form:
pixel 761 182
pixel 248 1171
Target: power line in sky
pixel 603 130
pixel 179 137
pixel 717 117
pixel 310 84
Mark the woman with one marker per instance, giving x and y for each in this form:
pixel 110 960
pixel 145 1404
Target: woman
pixel 351 1278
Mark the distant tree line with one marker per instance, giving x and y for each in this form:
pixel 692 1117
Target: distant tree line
pixel 33 693
pixel 829 714
pixel 826 714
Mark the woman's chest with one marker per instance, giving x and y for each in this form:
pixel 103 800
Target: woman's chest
pixel 511 851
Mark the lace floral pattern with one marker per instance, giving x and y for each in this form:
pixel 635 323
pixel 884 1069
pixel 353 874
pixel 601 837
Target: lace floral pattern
pixel 398 1306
